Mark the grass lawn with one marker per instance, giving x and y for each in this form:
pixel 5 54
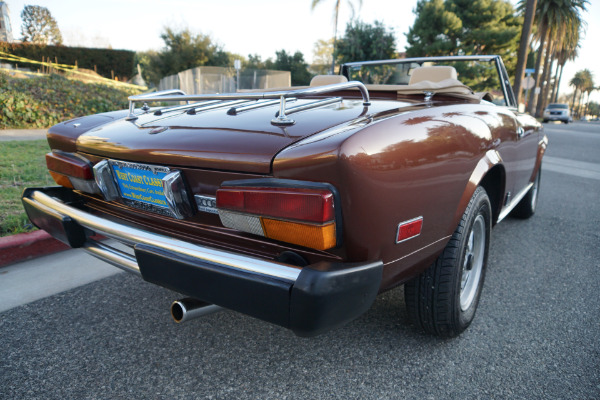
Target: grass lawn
pixel 22 164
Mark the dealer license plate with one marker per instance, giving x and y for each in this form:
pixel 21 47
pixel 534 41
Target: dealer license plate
pixel 141 183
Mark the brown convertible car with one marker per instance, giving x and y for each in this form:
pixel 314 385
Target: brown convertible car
pixel 299 205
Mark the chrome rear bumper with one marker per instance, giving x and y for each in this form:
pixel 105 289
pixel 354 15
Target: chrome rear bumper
pixel 308 300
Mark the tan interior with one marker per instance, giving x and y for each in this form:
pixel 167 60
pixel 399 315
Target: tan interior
pixel 437 73
pixel 322 80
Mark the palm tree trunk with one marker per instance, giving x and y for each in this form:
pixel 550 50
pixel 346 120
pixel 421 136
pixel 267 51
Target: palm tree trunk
pixel 538 63
pixel 540 101
pixel 562 68
pixel 573 101
pixel 524 47
pixel 548 85
pixel 555 86
pixel 579 104
pixel 337 14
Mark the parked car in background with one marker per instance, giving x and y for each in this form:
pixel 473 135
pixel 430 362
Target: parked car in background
pixel 298 206
pixel 557 112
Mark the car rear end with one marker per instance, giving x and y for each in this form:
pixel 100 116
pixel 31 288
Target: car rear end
pixel 557 112
pixel 210 223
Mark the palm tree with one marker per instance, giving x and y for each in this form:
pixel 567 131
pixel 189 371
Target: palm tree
pixel 577 81
pixel 567 37
pixel 336 14
pixel 553 18
pixel 584 83
pixel 568 53
pixel 528 9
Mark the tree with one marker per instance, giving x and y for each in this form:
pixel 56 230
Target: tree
pixel 184 50
pixel 451 27
pixel 555 20
pixel 336 14
pixel 583 81
pixel 363 42
pixel 39 26
pixel 435 31
pixel 294 63
pixel 527 7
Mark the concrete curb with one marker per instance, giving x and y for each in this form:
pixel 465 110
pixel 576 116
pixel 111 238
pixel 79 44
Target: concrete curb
pixel 25 246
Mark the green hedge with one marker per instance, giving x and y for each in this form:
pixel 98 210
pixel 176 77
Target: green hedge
pixel 120 62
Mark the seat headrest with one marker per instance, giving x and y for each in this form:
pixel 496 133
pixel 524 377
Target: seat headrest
pixel 322 80
pixel 433 74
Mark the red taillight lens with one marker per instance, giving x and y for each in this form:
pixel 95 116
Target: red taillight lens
pixel 69 165
pixel 305 217
pixel 310 205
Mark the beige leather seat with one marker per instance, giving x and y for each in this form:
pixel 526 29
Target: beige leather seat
pixel 322 80
pixel 432 74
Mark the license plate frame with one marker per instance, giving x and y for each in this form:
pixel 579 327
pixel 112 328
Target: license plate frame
pixel 140 185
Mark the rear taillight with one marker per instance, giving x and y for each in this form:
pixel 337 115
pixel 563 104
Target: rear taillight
pixel 305 217
pixel 71 171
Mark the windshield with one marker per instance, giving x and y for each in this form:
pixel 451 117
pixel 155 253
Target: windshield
pixel 480 75
pixel 561 106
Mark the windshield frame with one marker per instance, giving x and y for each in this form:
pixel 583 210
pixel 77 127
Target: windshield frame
pixel 506 87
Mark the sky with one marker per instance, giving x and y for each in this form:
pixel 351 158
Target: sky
pixel 249 27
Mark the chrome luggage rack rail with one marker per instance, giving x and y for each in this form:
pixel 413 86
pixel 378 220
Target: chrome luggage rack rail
pixel 204 101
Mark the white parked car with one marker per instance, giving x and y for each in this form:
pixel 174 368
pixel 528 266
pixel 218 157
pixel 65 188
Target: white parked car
pixel 557 112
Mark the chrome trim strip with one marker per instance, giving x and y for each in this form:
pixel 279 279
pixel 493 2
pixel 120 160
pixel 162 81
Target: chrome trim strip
pixel 258 104
pixel 132 236
pixel 506 210
pixel 313 104
pixel 162 111
pixel 113 256
pixel 152 96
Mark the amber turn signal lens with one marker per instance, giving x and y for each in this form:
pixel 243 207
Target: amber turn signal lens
pixel 320 237
pixel 61 179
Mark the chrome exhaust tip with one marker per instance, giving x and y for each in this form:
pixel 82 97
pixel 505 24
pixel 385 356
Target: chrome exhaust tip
pixel 187 309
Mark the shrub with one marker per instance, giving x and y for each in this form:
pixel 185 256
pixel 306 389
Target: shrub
pixel 41 102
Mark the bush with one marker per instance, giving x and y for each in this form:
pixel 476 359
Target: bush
pixel 41 102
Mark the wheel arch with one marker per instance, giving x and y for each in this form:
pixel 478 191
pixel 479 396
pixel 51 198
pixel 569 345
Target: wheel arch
pixel 490 174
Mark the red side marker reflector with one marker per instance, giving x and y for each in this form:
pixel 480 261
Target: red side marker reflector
pixel 409 229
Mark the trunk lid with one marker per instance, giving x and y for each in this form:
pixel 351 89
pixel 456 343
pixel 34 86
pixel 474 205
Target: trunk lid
pixel 246 142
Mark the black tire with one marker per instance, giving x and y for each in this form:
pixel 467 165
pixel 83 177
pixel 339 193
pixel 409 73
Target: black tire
pixel 545 121
pixel 439 301
pixel 526 207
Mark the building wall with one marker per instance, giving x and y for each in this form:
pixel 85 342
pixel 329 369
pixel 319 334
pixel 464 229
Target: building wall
pixel 6 34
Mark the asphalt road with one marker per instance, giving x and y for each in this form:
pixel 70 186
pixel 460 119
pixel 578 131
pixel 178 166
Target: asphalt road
pixel 535 336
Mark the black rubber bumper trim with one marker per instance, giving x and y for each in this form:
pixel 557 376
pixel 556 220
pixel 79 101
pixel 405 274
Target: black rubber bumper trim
pixel 328 295
pixel 252 294
pixel 60 227
pixel 325 295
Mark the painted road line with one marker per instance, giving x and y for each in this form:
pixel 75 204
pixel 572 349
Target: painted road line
pixel 571 167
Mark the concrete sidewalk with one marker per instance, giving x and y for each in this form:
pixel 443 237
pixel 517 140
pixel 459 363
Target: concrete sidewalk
pixel 22 134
